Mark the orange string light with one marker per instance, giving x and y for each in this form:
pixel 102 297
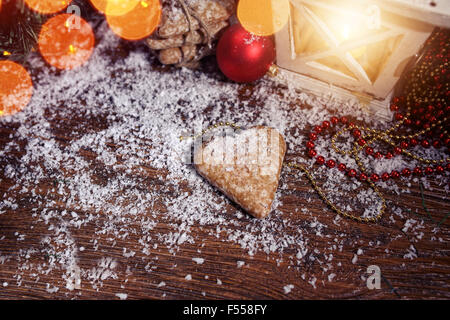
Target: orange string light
pixel 64 46
pixel 263 18
pixel 115 7
pixel 137 23
pixel 47 6
pixel 16 87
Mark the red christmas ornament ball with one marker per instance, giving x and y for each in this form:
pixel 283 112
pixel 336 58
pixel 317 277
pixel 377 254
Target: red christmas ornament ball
pixel 244 57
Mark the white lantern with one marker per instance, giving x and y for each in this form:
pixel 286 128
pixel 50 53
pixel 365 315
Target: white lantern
pixel 355 48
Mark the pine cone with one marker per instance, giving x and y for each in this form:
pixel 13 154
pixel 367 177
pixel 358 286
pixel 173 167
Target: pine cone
pixel 189 30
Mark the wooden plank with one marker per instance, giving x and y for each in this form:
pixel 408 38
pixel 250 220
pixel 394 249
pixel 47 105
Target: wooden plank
pixel 262 276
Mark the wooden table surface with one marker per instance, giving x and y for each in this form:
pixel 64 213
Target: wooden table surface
pixel 263 276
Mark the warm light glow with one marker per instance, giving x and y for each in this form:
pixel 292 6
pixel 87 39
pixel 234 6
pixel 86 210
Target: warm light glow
pixel 115 7
pixel 64 47
pixel 345 32
pixel 348 25
pixel 6 53
pixel 139 22
pixel 48 6
pixel 263 18
pixel 348 28
pixel 16 88
pixel 72 49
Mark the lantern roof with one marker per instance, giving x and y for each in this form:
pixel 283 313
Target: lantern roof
pixel 435 12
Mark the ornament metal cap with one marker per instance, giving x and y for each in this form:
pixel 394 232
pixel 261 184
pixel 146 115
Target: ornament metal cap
pixel 273 70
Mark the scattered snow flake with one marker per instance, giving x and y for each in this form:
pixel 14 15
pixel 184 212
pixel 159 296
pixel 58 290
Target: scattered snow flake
pixel 198 260
pixel 122 296
pixel 411 253
pixel 51 289
pixel 313 281
pixel 287 288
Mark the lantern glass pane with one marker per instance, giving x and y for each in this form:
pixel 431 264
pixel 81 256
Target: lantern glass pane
pixel 337 66
pixel 306 38
pixel 374 56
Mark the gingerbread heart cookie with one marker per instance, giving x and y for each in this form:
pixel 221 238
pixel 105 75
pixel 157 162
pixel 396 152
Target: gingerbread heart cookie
pixel 245 166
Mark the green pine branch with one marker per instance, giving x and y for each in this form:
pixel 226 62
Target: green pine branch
pixel 20 27
pixel 19 30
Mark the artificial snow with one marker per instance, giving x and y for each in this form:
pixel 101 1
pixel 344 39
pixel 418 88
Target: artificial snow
pixel 126 119
pixel 122 296
pixel 198 260
pixel 288 288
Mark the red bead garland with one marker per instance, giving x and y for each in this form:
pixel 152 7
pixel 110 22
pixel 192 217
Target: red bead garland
pixel 331 163
pixel 312 153
pixel 320 160
pixel 423 111
pixel 310 145
pixel 352 173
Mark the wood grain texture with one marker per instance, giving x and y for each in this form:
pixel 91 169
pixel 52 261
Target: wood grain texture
pixel 263 276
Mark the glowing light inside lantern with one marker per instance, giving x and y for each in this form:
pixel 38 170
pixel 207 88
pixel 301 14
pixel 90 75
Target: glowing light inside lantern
pixel 263 18
pixel 6 53
pixel 65 47
pixel 348 27
pixel 348 24
pixel 47 6
pixel 16 88
pixel 345 32
pixel 115 7
pixel 137 23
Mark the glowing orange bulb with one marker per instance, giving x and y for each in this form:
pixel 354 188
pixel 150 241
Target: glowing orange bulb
pixel 72 49
pixel 263 18
pixel 16 87
pixel 65 47
pixel 114 7
pixel 48 6
pixel 139 22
